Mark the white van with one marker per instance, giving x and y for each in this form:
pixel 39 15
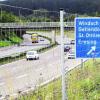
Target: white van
pixel 32 55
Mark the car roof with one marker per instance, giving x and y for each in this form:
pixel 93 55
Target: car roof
pixel 32 51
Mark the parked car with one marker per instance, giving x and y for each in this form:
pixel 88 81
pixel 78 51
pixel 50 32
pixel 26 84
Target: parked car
pixel 32 55
pixel 67 48
pixel 72 42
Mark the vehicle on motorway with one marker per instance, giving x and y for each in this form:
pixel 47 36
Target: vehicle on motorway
pixel 71 55
pixel 67 48
pixel 34 37
pixel 41 39
pixel 72 42
pixel 31 55
pixel 72 50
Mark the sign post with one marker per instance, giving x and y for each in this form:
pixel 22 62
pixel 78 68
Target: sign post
pixel 62 54
pixel 87 32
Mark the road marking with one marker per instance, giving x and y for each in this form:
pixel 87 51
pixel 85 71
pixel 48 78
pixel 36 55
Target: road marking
pixel 22 76
pixel 2 83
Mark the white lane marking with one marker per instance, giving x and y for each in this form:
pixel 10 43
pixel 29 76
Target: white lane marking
pixel 2 83
pixel 22 76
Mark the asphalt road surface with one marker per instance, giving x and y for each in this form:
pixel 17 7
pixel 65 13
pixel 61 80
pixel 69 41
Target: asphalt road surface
pixel 22 74
pixel 25 46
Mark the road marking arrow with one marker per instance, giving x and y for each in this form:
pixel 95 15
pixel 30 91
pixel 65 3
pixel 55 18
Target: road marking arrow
pixel 93 48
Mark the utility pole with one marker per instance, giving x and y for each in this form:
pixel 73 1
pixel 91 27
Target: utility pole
pixel 62 54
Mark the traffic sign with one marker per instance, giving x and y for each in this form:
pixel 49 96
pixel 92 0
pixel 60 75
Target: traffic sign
pixel 87 31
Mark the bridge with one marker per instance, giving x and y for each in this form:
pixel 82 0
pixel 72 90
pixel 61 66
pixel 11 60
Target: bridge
pixel 32 25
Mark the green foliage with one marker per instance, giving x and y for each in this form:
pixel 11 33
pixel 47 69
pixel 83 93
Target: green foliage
pixel 8 17
pixel 9 38
pixel 5 43
pixel 14 38
pixel 82 84
pixel 71 6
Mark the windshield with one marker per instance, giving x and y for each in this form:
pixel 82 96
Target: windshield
pixel 30 53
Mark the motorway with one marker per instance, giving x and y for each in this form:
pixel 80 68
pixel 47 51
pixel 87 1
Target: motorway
pixel 22 75
pixel 25 46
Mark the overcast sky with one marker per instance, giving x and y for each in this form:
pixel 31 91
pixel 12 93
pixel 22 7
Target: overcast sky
pixel 2 0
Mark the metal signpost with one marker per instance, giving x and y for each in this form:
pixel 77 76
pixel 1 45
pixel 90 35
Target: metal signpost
pixel 87 32
pixel 62 54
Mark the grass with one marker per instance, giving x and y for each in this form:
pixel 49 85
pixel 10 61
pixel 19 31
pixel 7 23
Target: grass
pixel 11 38
pixel 68 33
pixel 5 43
pixel 83 83
pixel 16 39
pixel 48 92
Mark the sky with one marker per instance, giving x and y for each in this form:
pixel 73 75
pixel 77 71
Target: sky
pixel 2 0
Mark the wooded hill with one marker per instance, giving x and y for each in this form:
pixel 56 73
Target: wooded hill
pixel 71 6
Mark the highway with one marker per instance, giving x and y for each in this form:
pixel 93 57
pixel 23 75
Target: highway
pixel 25 46
pixel 22 75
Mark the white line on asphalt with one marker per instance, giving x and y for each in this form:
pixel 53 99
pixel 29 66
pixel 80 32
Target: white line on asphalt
pixel 22 76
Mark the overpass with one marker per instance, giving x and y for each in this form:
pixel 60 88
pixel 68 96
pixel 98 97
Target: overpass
pixel 34 25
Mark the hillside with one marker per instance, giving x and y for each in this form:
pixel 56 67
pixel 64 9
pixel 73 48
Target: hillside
pixel 8 38
pixel 73 6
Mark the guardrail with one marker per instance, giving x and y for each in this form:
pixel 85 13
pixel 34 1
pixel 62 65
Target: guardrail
pixel 35 24
pixel 20 55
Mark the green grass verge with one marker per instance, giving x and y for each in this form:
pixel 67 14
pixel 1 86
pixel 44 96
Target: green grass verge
pixel 83 83
pixel 68 33
pixel 5 43
pixel 47 92
pixel 16 39
pixel 11 39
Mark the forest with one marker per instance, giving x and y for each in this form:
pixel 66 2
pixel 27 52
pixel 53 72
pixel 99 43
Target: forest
pixel 70 6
